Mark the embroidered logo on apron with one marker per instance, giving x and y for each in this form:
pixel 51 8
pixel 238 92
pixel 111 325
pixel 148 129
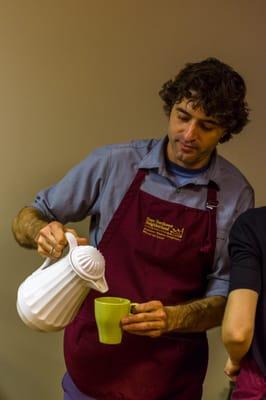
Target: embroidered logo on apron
pixel 162 230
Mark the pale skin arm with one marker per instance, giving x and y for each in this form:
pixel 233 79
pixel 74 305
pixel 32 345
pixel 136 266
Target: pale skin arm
pixel 153 319
pixel 238 327
pixel 32 230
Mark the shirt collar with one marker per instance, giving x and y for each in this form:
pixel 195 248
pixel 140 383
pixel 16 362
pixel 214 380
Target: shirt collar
pixel 155 159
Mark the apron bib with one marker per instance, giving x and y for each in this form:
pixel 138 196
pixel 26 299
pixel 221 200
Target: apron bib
pixel 154 250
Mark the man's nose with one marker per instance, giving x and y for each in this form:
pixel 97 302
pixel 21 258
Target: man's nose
pixel 190 132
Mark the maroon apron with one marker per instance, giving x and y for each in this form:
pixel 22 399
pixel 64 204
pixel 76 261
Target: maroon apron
pixel 154 250
pixel 250 383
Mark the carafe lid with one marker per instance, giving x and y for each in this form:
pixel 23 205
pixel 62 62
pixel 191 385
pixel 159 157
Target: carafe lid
pixel 87 262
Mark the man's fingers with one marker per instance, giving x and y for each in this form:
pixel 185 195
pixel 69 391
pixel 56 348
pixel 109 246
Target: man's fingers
pixel 52 234
pixel 148 319
pixel 51 239
pixel 80 240
pixel 159 315
pixel 148 307
pixel 144 326
pixel 57 232
pixel 50 250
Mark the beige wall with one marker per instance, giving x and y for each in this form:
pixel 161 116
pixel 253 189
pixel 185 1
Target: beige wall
pixel 79 74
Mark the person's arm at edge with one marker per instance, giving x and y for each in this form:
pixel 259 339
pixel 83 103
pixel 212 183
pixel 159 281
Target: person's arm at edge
pixel 239 319
pixel 238 323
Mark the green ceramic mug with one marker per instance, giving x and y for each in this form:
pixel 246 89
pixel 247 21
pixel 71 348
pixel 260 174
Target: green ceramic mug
pixel 108 313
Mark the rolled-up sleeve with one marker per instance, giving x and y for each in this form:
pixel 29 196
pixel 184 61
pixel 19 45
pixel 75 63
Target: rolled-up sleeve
pixel 76 195
pixel 218 279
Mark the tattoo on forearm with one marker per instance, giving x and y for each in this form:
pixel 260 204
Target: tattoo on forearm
pixel 199 315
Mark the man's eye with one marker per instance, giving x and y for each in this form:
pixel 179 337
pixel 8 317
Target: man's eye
pixel 207 128
pixel 182 117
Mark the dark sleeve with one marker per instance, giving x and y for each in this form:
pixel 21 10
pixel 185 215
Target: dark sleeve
pixel 245 254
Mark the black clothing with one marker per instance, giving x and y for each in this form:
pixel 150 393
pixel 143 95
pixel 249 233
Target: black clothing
pixel 247 248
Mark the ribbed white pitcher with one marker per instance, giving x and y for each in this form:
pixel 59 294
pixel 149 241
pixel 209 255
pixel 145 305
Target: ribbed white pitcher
pixel 49 299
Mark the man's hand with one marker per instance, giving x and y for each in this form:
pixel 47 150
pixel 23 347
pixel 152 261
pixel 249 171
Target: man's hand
pixel 231 369
pixel 148 319
pixel 154 319
pixel 51 239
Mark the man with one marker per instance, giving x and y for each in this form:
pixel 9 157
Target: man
pixel 160 214
pixel 244 325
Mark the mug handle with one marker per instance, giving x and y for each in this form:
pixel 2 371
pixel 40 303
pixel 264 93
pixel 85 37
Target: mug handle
pixel 132 308
pixel 72 242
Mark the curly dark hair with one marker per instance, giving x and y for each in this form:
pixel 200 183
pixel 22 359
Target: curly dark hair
pixel 216 88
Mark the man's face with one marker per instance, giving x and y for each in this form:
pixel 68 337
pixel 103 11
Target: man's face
pixel 192 136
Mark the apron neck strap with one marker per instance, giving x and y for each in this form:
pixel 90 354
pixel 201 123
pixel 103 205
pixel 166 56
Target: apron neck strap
pixel 212 202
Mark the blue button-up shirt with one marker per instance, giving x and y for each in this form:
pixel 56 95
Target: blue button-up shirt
pixel 96 186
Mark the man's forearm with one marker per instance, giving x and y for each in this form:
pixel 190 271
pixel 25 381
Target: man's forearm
pixel 26 226
pixel 196 316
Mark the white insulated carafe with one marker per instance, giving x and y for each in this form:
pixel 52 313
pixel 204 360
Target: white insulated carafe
pixel 50 297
